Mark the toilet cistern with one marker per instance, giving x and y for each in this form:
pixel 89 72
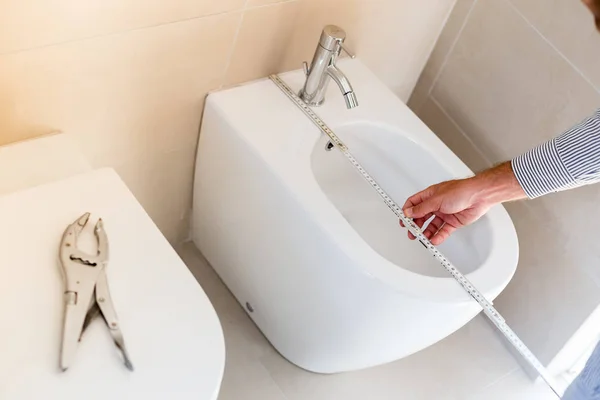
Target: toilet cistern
pixel 323 67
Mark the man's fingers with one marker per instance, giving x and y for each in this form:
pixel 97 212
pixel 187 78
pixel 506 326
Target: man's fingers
pixel 437 231
pixel 420 222
pixel 413 207
pixel 420 210
pixel 421 204
pixel 433 227
pixel 412 200
pixel 443 234
pixel 428 202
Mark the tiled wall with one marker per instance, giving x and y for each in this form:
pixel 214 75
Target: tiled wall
pixel 505 76
pixel 128 77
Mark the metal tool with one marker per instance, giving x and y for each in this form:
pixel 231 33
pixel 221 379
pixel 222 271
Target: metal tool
pixel 486 305
pixel 86 293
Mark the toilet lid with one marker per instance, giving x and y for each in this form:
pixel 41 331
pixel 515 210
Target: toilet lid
pixel 171 330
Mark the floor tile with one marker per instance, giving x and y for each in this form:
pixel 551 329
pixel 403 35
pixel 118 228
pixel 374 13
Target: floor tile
pixel 459 365
pixel 248 380
pixel 473 363
pixel 245 377
pixel 515 386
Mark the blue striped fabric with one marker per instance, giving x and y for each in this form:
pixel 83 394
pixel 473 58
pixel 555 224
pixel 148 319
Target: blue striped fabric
pixel 587 385
pixel 570 160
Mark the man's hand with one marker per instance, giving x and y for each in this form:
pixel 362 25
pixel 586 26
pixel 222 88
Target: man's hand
pixel 454 203
pixel 461 202
pixel 594 6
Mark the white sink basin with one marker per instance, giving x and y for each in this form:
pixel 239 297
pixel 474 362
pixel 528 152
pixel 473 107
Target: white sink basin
pixel 402 167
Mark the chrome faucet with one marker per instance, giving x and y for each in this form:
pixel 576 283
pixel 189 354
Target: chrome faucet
pixel 323 67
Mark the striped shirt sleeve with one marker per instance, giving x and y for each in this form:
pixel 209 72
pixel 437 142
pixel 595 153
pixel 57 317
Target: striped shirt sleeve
pixel 570 160
pixel 586 385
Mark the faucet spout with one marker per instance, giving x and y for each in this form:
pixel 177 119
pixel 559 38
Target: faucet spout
pixel 344 84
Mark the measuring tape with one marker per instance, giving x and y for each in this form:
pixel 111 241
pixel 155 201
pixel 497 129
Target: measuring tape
pixel 488 309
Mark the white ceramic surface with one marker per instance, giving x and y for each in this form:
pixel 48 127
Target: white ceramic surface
pixel 171 330
pixel 333 282
pixel 403 167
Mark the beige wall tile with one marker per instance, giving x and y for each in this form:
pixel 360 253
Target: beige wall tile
pixel 443 46
pixel 506 87
pixel 162 183
pixel 120 95
pixel 445 129
pixel 576 220
pixel 264 35
pixel 133 101
pixel 392 37
pixel 569 26
pixel 312 17
pixel 128 78
pixel 550 295
pixel 27 24
pixel 256 3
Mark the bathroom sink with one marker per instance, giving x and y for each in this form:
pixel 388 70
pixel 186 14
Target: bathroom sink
pixel 309 249
pixel 402 167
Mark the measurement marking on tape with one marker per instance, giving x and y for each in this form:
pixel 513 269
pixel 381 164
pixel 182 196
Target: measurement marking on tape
pixel 487 307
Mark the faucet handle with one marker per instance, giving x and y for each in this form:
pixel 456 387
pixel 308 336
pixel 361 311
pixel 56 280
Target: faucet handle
pixel 306 68
pixel 332 39
pixel 350 53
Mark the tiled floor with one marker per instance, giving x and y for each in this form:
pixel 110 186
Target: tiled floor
pixel 471 364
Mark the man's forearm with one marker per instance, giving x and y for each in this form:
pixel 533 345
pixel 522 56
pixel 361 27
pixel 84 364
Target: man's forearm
pixel 498 184
pixel 565 162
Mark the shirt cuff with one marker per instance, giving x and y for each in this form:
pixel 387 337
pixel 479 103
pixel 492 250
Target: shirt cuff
pixel 541 171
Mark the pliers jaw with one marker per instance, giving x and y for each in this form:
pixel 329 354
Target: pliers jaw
pixel 70 253
pixel 69 239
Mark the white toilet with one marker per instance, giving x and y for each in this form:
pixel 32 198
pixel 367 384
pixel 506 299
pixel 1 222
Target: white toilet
pixel 171 329
pixel 308 248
